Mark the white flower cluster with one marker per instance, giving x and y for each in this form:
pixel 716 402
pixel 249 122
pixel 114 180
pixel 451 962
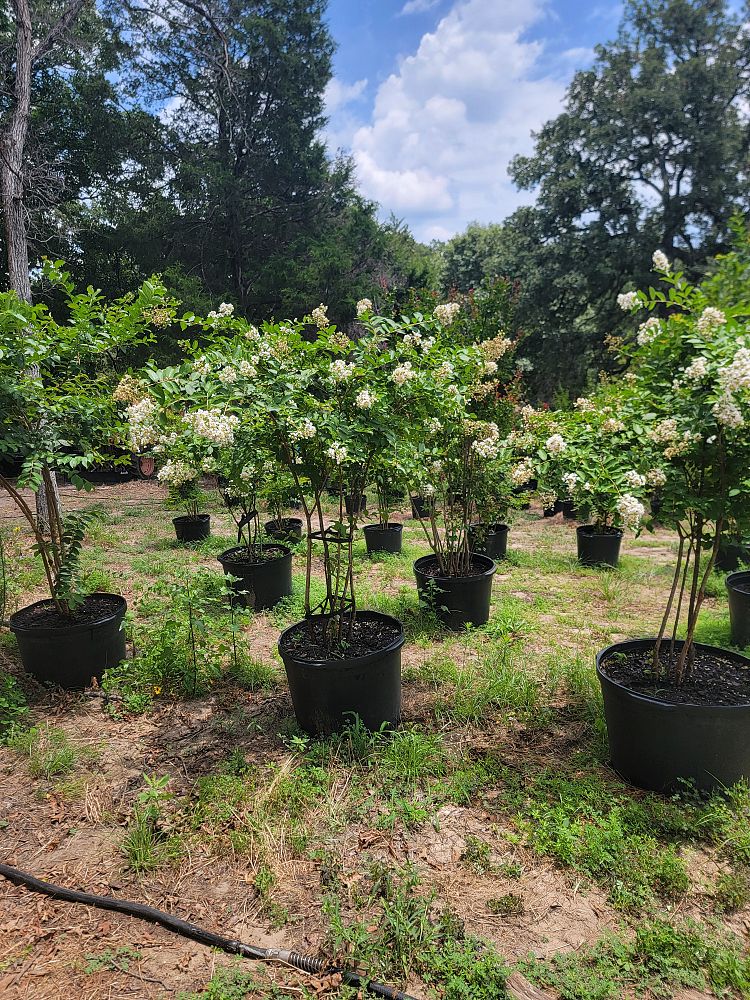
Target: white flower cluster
pixel 612 425
pixel 365 399
pixel 228 375
pixel 570 479
pixel 489 446
pixel 584 404
pixel 403 373
pixel 490 367
pixel 142 431
pixel 555 444
pixel 337 452
pixel 247 369
pixel 225 309
pixel 660 261
pixel 444 371
pixel 736 376
pixel 631 510
pixel 320 316
pixel 446 313
pixel 697 369
pixel 341 371
pixel 648 331
pixel 709 320
pixel 363 306
pixel 664 432
pixel 634 479
pixel 176 473
pixel 656 477
pixel 304 432
pixel 496 348
pixel 252 333
pixel 522 473
pixel 209 464
pixel 427 490
pixel 128 390
pixel 202 366
pixel 727 412
pixel 433 425
pixel 213 425
pixel 627 301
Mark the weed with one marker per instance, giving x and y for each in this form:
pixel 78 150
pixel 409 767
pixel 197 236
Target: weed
pixel 13 707
pixel 114 961
pixel 48 749
pixel 510 905
pixel 732 891
pixel 147 843
pixel 477 856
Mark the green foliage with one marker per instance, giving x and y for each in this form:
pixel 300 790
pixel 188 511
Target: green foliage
pixel 112 961
pixel 13 707
pixel 148 842
pixel 661 958
pixel 49 750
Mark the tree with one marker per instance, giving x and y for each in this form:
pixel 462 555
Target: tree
pixel 650 152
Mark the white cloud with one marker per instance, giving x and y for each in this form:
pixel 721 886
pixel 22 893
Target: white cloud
pixel 337 93
pixel 418 6
pixel 445 126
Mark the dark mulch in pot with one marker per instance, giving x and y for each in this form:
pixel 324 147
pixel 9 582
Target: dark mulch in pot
pixel 714 680
pixel 241 554
pixel 367 636
pixel 432 568
pixel 592 529
pixel 45 614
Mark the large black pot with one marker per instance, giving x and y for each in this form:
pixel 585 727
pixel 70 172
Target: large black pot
pixel 355 504
pixel 598 548
pixel 383 539
pixel 327 693
pixel 192 529
pixel 287 529
pixel 556 508
pixel 260 585
pixel 489 539
pixel 655 745
pixel 421 507
pixel 457 600
pixel 738 590
pixel 70 655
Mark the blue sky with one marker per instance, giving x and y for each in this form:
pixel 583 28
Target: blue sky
pixel 433 97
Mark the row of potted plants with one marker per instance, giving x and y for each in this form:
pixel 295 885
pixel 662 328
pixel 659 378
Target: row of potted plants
pixel 304 411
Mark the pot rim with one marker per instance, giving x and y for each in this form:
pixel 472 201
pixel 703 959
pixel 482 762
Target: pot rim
pixel 182 518
pixel 351 662
pixel 284 520
pixel 496 527
pixel 391 526
pixel 614 533
pixel 491 569
pixel 74 627
pixel 690 706
pixel 222 557
pixel 734 578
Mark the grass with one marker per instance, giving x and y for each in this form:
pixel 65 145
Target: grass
pixel 499 765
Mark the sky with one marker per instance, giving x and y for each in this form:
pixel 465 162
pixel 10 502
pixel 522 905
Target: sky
pixel 433 98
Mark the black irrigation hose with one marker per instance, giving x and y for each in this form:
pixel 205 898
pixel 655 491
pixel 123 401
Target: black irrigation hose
pixel 305 963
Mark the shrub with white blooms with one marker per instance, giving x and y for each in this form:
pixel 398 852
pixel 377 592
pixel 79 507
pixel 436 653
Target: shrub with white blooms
pixel 693 438
pixel 447 312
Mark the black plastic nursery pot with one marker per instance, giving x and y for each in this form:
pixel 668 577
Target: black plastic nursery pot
pixel 261 585
pixel 457 600
pixel 288 528
pixel 421 507
pixel 656 744
pixel 192 529
pixel 556 508
pixel 489 539
pixel 738 591
pixel 598 548
pixel 70 655
pixel 381 538
pixel 327 693
pixel 355 504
